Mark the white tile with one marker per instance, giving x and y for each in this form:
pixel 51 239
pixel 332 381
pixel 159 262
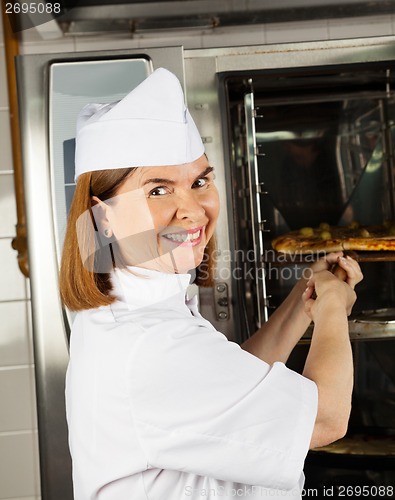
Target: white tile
pixel 5 141
pixel 303 31
pixel 21 498
pixel 29 320
pixel 47 47
pixel 12 283
pixel 15 343
pixel 188 41
pixel 7 206
pixel 49 30
pixel 34 35
pixel 355 27
pixel 19 469
pixel 228 38
pixel 189 38
pixel 18 409
pixel 3 80
pixel 105 43
pixel 30 36
pixel 27 283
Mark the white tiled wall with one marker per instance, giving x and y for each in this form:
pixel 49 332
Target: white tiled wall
pixel 19 465
pixel 19 477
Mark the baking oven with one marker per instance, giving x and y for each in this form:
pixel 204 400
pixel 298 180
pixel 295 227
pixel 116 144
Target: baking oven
pixel 299 134
pixel 310 146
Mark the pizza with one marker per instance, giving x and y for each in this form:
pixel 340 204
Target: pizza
pixel 326 238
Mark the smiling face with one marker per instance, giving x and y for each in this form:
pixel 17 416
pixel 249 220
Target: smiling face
pixel 163 217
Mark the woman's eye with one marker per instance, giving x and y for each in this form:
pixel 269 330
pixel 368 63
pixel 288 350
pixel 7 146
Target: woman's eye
pixel 158 191
pixel 200 182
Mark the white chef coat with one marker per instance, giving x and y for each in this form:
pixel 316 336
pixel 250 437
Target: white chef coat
pixel 161 406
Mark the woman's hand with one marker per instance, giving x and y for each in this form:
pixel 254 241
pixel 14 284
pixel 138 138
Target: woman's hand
pixel 330 290
pixel 325 263
pixel 352 273
pixel 345 268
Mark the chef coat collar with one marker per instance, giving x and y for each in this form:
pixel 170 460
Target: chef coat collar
pixel 139 287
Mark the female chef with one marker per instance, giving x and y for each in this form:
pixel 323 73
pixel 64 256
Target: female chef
pixel 160 405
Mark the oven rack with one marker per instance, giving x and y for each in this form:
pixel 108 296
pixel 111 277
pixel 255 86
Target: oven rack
pixel 361 445
pixel 284 259
pixel 367 325
pixel 361 329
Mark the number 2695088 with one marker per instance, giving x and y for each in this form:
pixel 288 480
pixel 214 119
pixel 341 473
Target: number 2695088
pixel 365 491
pixel 32 8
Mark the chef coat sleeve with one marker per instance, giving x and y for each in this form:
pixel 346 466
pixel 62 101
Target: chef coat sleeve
pixel 203 405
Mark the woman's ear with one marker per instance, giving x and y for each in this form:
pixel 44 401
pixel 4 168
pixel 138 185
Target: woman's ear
pixel 99 211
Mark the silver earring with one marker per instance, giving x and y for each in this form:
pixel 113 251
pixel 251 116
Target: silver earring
pixel 107 233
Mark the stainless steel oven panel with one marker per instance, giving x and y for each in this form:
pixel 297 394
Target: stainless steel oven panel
pixel 203 102
pixel 293 55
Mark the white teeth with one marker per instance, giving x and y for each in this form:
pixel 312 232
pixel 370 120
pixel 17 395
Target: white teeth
pixel 181 237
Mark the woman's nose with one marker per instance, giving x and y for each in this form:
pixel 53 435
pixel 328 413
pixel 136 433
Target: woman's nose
pixel 189 207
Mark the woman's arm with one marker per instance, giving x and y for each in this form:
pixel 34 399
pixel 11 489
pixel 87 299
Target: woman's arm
pixel 276 339
pixel 329 362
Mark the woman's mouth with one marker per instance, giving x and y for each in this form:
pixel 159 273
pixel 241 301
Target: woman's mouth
pixel 191 237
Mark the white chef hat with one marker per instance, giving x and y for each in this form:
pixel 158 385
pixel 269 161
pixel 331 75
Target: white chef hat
pixel 151 126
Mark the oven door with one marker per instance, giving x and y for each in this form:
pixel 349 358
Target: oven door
pixel 314 146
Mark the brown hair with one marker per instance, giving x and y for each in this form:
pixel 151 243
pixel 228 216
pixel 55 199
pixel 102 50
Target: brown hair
pixel 80 286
